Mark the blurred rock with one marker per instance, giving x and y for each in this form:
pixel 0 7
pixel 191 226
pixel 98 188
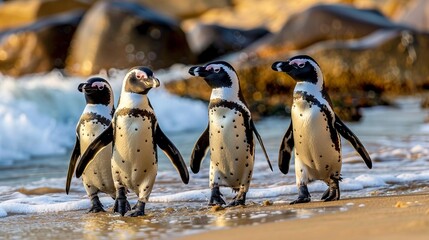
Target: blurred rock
pixel 272 14
pixel 321 23
pixel 23 12
pixel 387 61
pixel 38 47
pixel 416 15
pixel 211 41
pixel 184 9
pixel 358 73
pixel 117 34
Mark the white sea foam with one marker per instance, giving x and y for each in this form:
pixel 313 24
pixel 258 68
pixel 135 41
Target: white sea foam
pixel 19 203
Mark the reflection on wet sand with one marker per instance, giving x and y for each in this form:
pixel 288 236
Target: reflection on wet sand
pixel 160 224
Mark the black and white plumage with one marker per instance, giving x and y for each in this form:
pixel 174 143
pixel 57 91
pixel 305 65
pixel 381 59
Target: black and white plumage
pixel 228 136
pixel 135 134
pixel 96 117
pixel 314 131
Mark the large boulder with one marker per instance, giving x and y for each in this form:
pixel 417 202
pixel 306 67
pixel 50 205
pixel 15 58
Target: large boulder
pixel 392 61
pixel 321 23
pixel 117 34
pixel 19 13
pixel 184 9
pixel 211 41
pixel 358 73
pixel 38 47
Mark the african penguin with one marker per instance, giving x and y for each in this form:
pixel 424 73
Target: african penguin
pixel 228 136
pixel 96 117
pixel 314 131
pixel 135 134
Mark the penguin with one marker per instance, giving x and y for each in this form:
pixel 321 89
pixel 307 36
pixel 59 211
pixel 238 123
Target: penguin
pixel 228 136
pixel 314 131
pixel 135 134
pixel 96 117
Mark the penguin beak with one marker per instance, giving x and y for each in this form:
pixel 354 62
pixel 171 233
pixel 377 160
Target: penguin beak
pixel 155 82
pixel 86 88
pixel 80 87
pixel 198 71
pixel 282 66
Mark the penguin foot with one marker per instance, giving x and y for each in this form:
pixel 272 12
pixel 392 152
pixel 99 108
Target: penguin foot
pixel 216 197
pixel 300 200
pixel 333 192
pixel 96 205
pixel 121 204
pixel 325 194
pixel 303 195
pixel 238 200
pixel 138 209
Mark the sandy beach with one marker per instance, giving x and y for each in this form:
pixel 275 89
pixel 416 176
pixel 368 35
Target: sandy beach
pixel 379 217
pixel 390 217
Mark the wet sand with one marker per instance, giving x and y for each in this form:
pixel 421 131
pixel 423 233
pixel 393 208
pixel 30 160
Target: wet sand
pixel 393 217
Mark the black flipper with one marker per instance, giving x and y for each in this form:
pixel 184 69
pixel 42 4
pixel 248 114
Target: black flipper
pixel 172 153
pixel 252 125
pixel 285 151
pixel 73 159
pixel 99 142
pixel 346 133
pixel 200 151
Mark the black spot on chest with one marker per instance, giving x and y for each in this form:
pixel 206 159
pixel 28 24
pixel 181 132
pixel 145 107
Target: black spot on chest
pixel 137 113
pixel 326 113
pixel 87 117
pixel 240 111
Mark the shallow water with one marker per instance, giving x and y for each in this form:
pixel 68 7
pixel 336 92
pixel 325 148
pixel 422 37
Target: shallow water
pixel 158 224
pixel 32 178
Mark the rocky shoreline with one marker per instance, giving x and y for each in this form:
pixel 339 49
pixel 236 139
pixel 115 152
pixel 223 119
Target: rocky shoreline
pixel 368 50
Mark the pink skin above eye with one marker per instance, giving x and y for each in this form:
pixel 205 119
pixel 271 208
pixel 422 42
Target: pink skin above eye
pixel 298 62
pixel 140 75
pixel 210 67
pixel 99 85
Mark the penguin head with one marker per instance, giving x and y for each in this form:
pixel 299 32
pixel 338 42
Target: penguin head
pixel 97 91
pixel 140 80
pixel 301 68
pixel 217 74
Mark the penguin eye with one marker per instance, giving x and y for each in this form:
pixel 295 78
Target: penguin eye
pixel 140 75
pixel 301 65
pixel 99 85
pixel 216 69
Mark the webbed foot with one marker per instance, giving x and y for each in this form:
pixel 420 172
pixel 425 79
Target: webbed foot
pixel 239 199
pixel 96 205
pixel 216 197
pixel 303 195
pixel 138 209
pixel 121 204
pixel 333 192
